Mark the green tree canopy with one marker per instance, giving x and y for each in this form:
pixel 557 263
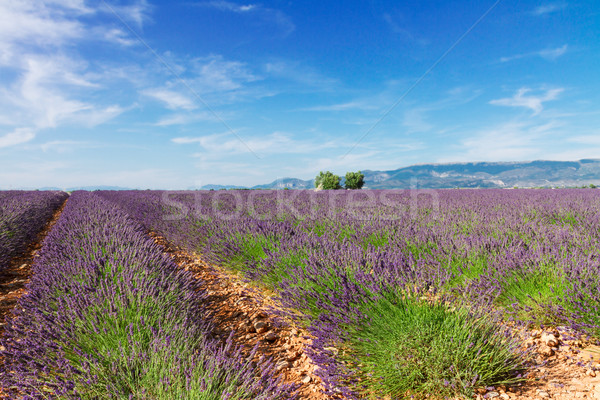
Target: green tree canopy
pixel 354 180
pixel 327 180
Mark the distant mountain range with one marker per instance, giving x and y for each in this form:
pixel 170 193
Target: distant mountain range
pixel 525 174
pixel 466 175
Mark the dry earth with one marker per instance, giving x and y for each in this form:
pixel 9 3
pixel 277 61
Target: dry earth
pixel 567 367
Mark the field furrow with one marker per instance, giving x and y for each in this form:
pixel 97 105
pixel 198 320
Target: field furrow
pixel 252 318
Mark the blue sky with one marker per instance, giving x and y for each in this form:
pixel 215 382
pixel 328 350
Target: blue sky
pixel 179 94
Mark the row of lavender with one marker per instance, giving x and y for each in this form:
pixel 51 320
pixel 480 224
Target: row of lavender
pixel 485 245
pixel 345 261
pixel 22 216
pixel 109 316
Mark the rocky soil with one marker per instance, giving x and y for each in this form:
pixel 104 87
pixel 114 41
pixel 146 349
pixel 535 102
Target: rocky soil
pixel 567 367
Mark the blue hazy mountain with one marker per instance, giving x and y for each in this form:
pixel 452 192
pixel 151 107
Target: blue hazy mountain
pixel 472 175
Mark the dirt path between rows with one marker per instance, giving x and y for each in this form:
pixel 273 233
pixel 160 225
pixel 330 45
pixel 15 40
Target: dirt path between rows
pixel 236 307
pixel 15 277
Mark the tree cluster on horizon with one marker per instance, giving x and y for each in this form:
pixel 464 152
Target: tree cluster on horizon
pixel 329 181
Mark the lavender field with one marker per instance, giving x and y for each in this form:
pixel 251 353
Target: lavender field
pixel 405 294
pixel 109 315
pixel 22 216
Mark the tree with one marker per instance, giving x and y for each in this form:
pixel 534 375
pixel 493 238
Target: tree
pixel 327 180
pixel 355 180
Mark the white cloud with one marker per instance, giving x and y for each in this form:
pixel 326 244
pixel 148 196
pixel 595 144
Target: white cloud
pixel 64 146
pixel 275 143
pixel 511 141
pixel 47 25
pixel 586 139
pixel 48 83
pixel 414 120
pixel 95 115
pixel 549 8
pixel 136 12
pixel 37 22
pixel 553 54
pixel 119 36
pixel 210 80
pixel 215 74
pixel 268 15
pixel 172 99
pixel 351 105
pixel 301 74
pixel 229 6
pixel 46 94
pixel 534 103
pixel 397 25
pixel 548 54
pixel 18 136
pixel 187 118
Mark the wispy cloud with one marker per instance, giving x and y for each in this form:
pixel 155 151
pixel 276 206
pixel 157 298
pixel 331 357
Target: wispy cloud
pixel 417 119
pixel 201 81
pixel 47 82
pixel 548 54
pixel 296 72
pixel 136 12
pixel 64 146
pixel 511 141
pixel 34 22
pixel 230 6
pixel 586 139
pixel 275 143
pixel 119 36
pixel 172 99
pixel 266 14
pixel 534 103
pixel 28 25
pixel 549 8
pixel 215 74
pixel 46 94
pixel 182 118
pixel 351 105
pixel 414 121
pixel 18 136
pixel 396 26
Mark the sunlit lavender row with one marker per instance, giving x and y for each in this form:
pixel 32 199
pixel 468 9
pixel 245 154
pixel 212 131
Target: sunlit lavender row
pixel 23 215
pixel 361 269
pixel 109 316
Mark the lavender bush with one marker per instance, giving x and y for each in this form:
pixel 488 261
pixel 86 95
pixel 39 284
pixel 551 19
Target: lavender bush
pixel 109 316
pixel 22 216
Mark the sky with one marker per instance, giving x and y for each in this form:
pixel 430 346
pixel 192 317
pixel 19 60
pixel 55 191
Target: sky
pixel 180 94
